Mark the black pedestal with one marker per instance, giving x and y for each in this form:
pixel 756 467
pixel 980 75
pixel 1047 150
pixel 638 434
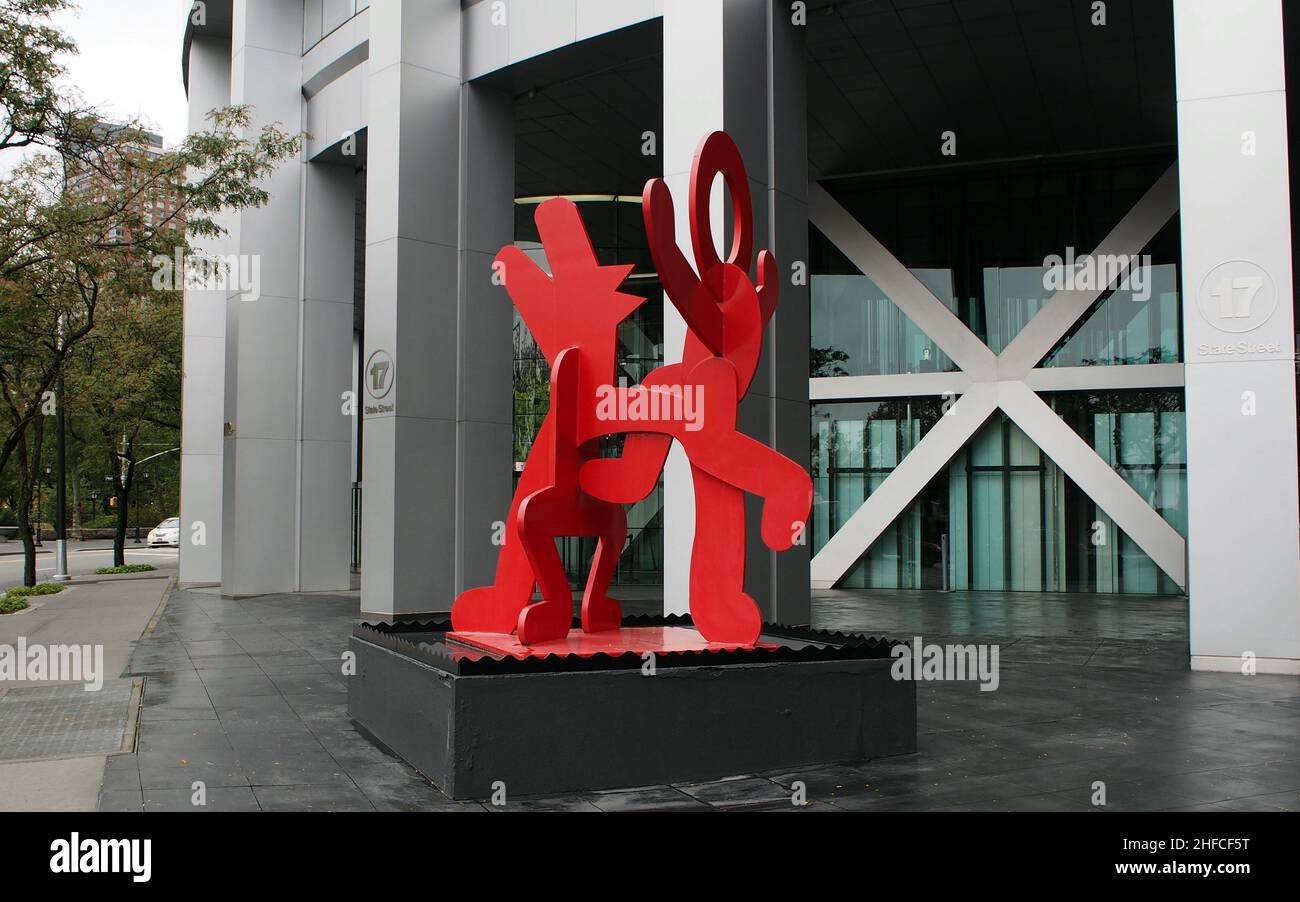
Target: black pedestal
pixel 467 720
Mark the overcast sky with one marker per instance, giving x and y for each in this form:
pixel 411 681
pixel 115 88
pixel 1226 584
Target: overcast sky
pixel 129 64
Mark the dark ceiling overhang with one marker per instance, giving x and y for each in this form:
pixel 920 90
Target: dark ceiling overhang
pixel 218 16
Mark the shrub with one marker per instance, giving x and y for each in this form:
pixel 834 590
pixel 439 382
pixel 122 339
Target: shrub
pixel 38 589
pixel 126 568
pixel 15 599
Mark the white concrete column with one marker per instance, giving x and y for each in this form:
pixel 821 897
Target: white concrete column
pixel 202 406
pixel 437 426
pixel 738 65
pixel 325 439
pixel 260 498
pixel 1239 336
pixel 485 390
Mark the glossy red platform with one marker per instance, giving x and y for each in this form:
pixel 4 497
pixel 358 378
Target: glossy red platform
pixel 637 640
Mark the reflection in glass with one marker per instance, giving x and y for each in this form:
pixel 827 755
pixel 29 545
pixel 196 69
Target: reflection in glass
pixel 1123 329
pixel 987 238
pixel 858 331
pixel 1012 520
pixel 320 17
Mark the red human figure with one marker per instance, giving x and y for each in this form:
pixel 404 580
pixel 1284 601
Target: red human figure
pixel 725 314
pixel 573 315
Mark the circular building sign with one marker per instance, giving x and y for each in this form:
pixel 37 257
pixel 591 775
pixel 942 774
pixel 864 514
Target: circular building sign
pixel 1237 296
pixel 379 375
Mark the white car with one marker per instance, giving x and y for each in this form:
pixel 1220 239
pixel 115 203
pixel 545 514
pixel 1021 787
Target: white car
pixel 168 533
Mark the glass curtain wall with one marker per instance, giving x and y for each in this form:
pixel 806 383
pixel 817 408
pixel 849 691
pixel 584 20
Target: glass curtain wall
pixel 320 17
pixel 1011 520
pixel 993 246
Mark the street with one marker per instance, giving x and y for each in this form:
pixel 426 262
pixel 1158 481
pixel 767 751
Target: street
pixel 84 558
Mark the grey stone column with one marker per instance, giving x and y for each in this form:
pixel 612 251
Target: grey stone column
pixel 202 408
pixel 1239 335
pixel 485 390
pixel 437 356
pixel 260 488
pixel 738 65
pixel 328 389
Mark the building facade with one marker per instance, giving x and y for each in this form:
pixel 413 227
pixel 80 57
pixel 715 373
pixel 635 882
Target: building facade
pixel 1037 332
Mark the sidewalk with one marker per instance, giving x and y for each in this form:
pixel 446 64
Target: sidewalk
pixel 55 737
pixel 248 697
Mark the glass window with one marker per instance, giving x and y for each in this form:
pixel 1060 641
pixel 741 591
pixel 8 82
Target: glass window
pixel 320 17
pixel 1009 517
pixel 857 331
pixel 311 23
pixel 334 13
pixel 855 446
pixel 993 244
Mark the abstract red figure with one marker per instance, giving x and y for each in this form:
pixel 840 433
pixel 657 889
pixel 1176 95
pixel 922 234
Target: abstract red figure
pixel 567 489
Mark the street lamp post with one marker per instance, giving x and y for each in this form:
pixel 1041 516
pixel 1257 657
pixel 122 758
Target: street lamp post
pixel 61 485
pixel 40 504
pixel 138 480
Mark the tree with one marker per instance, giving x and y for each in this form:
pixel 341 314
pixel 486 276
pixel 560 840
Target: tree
pixel 78 229
pixel 125 382
pixel 30 105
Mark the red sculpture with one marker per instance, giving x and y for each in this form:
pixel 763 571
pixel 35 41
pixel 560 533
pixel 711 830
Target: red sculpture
pixel 568 489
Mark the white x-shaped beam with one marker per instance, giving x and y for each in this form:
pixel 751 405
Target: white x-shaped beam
pixel 989 381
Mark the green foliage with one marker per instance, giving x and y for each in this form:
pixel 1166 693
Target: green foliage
pixel 38 589
pixel 15 599
pixel 125 568
pixel 29 100
pixel 86 291
pixel 825 362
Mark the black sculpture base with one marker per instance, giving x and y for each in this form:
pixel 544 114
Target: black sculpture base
pixel 469 719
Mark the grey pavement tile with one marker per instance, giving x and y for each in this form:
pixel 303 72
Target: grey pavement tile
pixel 312 797
pixel 738 792
pixel 268 767
pixel 392 773
pixel 174 773
pixel 1276 801
pixel 392 798
pixel 576 802
pixel 218 798
pixel 212 648
pixel 118 801
pixel 1207 786
pixel 171 712
pixel 649 798
pixel 1048 801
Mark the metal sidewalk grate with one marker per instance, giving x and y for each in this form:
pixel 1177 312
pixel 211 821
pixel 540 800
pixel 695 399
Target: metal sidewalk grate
pixel 65 721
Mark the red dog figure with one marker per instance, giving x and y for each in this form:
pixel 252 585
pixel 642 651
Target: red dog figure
pixel 573 315
pixel 567 489
pixel 725 314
